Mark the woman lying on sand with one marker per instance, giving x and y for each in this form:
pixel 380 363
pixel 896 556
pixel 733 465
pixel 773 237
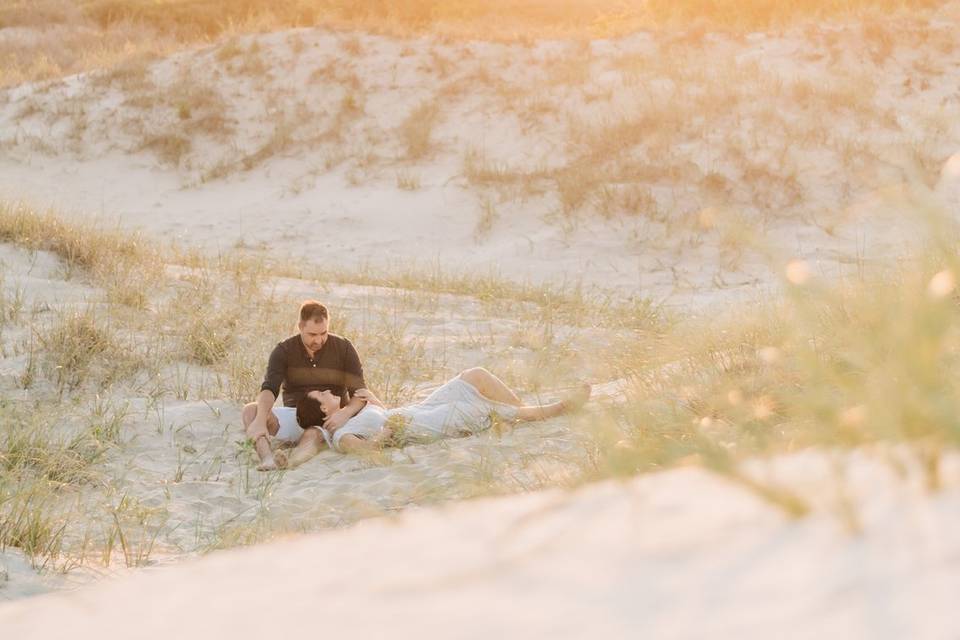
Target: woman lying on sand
pixel 463 406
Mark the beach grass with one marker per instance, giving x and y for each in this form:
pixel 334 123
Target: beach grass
pixel 70 36
pixel 834 364
pixel 607 133
pixel 199 333
pixel 860 361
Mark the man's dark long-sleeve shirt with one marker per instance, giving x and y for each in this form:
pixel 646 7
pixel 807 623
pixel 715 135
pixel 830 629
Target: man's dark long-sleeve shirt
pixel 336 366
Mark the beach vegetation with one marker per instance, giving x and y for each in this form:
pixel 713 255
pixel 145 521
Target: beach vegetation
pixel 170 148
pixel 834 364
pixel 683 97
pixel 486 220
pixel 71 37
pixel 416 129
pixel 857 362
pixel 407 180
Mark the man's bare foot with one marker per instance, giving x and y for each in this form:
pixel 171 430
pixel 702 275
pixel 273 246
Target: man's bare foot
pixel 262 445
pixel 577 398
pixel 280 457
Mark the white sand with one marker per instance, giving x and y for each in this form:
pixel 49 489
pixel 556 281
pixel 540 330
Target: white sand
pixel 679 554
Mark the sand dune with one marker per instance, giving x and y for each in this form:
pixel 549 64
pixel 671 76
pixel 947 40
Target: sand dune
pixel 674 555
pixel 425 152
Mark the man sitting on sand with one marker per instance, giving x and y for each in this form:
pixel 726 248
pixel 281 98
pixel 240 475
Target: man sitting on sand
pixel 312 360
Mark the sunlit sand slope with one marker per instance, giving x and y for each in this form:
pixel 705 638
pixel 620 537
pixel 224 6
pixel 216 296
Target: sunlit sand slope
pixel 672 165
pixel 673 555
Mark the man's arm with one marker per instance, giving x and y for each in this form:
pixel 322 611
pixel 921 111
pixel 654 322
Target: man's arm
pixel 275 374
pixel 370 397
pixel 265 402
pixel 353 381
pixel 352 369
pixel 269 390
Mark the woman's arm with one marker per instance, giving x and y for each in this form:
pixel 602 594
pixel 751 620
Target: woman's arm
pixel 350 443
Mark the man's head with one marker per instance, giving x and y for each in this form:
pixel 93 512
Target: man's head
pixel 314 324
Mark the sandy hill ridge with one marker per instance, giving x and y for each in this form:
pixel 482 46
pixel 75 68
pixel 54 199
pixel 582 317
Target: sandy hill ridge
pixel 644 164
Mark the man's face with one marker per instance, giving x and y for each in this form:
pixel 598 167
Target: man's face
pixel 314 334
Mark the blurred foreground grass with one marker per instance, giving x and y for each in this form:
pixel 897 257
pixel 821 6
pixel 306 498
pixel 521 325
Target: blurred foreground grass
pixel 832 364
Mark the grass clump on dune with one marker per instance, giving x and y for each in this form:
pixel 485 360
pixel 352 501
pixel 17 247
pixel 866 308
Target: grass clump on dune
pixel 82 349
pixel 33 445
pixel 91 250
pixel 834 365
pixel 41 465
pixel 57 498
pixel 113 258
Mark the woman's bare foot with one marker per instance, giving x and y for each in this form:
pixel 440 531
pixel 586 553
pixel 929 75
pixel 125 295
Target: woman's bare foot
pixel 577 398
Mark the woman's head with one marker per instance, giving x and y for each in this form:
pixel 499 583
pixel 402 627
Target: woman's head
pixel 314 408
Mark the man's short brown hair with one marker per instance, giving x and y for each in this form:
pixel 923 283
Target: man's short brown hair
pixel 313 310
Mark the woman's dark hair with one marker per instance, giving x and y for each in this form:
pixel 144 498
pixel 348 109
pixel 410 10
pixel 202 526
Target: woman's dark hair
pixel 310 413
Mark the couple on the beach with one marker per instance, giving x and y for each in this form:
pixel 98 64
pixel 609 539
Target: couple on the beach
pixel 326 401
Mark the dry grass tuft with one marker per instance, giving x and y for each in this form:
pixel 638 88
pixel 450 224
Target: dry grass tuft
pixel 170 148
pixel 88 247
pixel 208 340
pixel 407 180
pixel 834 365
pixel 417 128
pixel 32 445
pixel 82 350
pixel 488 217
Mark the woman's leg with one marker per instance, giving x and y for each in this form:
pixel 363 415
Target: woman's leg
pixel 493 388
pixel 309 445
pixel 490 386
pixel 572 402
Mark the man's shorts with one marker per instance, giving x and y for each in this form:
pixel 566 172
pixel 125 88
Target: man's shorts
pixel 289 430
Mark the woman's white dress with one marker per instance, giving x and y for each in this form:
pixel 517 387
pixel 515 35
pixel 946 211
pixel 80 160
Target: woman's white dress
pixel 455 409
